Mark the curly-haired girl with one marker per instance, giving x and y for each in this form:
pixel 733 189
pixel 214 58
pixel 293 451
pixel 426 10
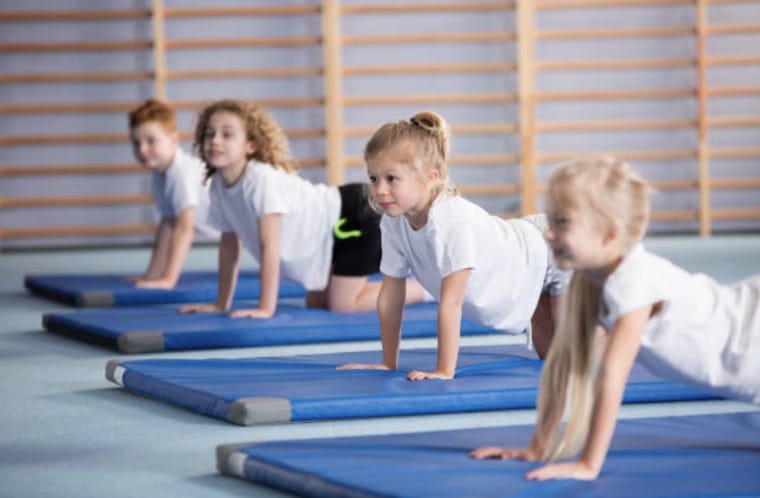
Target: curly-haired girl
pixel 323 237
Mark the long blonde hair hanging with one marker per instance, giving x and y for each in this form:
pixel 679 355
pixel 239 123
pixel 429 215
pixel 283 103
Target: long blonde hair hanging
pixel 612 192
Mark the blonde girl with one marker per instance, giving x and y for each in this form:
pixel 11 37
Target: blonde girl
pixel 323 237
pixel 623 301
pixel 493 271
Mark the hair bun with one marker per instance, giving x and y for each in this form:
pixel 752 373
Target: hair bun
pixel 428 121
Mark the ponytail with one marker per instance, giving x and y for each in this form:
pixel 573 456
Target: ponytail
pixel 567 380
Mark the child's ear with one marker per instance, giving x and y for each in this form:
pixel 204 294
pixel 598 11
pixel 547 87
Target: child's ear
pixel 250 147
pixel 432 174
pixel 614 232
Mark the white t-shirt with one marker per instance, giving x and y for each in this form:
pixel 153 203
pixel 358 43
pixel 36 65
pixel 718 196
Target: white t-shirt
pixel 508 259
pixel 309 212
pixel 181 186
pixel 706 334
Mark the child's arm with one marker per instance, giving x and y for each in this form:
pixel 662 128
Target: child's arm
pixel 269 240
pixel 177 244
pixel 159 253
pixel 390 311
pixel 229 259
pixel 453 287
pixel 622 347
pixel 535 450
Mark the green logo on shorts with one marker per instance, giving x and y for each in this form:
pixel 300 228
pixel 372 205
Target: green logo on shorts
pixel 349 234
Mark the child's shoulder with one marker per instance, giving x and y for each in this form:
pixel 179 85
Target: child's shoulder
pixel 454 209
pixel 183 158
pixel 643 272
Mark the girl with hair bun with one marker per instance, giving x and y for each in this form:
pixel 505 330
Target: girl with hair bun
pixel 493 271
pixel 624 301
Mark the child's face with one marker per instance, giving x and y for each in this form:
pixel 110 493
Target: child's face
pixel 225 145
pixel 577 238
pixel 153 145
pixel 397 188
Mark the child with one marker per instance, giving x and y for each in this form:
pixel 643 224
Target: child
pixel 686 327
pixel 180 197
pixel 490 270
pixel 323 237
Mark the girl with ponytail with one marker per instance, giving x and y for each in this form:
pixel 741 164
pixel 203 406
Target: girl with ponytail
pixel 622 302
pixel 493 271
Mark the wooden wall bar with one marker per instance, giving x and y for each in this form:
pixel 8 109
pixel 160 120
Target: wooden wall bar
pixel 501 163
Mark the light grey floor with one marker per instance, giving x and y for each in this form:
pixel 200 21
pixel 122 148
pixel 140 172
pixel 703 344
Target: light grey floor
pixel 66 432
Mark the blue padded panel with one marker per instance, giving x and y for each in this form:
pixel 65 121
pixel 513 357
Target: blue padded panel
pixel 704 455
pixel 488 378
pixel 151 329
pixel 114 290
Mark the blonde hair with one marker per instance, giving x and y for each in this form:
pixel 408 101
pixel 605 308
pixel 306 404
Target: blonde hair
pixel 260 128
pixel 428 133
pixel 612 192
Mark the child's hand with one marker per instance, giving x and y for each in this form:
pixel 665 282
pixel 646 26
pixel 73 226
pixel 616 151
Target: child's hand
pixel 504 453
pixel 418 375
pixel 567 470
pixel 159 283
pixel 364 366
pixel 201 308
pixel 252 313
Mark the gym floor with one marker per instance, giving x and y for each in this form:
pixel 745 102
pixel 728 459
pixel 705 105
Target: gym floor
pixel 67 432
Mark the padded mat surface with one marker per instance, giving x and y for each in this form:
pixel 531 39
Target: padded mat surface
pixel 90 291
pixel 308 387
pixel 153 329
pixel 704 455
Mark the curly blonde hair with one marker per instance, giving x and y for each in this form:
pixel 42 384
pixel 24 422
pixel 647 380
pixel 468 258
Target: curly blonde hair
pixel 429 134
pixel 271 143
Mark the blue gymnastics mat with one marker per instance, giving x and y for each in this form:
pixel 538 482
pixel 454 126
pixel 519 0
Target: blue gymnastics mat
pixel 702 455
pixel 98 291
pixel 153 329
pixel 308 387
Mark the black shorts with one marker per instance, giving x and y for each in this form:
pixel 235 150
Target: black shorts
pixel 356 235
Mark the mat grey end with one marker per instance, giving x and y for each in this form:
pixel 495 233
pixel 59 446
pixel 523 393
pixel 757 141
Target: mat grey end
pixel 95 299
pixel 140 341
pixel 223 452
pixel 259 410
pixel 111 368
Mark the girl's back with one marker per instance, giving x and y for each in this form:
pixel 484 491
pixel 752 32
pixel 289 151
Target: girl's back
pixel 703 333
pixel 508 258
pixel 308 213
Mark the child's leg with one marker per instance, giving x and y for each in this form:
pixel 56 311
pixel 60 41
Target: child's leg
pixel 543 324
pixel 358 294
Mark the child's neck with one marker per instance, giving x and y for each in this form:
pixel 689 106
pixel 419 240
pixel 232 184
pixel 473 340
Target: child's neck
pixel 599 274
pixel 417 220
pixel 418 217
pixel 233 173
pixel 165 167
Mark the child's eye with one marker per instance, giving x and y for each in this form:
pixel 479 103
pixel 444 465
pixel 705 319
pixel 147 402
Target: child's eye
pixel 392 179
pixel 373 179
